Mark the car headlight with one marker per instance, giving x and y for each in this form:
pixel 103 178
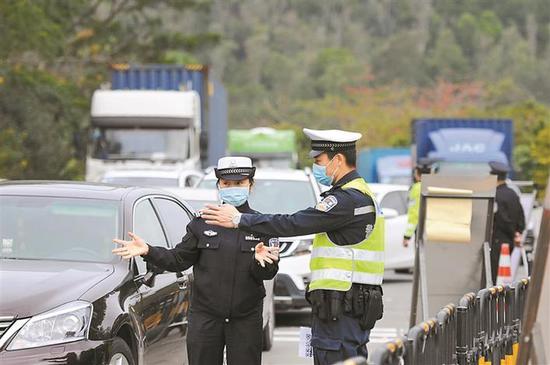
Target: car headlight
pixel 303 247
pixel 66 323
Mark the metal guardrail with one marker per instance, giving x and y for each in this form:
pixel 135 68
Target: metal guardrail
pixel 482 329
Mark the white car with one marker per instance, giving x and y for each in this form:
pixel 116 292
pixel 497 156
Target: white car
pixel 285 191
pixel 393 199
pixel 153 177
pixel 195 197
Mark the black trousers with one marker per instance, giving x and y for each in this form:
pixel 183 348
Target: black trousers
pixel 335 341
pixel 208 335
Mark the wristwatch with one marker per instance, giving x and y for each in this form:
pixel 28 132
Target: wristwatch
pixel 236 220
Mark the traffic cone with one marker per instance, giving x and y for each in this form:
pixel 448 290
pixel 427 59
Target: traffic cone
pixel 504 275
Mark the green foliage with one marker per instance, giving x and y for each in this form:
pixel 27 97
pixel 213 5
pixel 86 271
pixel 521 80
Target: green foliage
pixel 365 65
pixel 53 54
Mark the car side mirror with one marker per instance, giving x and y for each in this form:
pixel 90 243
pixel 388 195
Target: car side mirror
pixel 390 213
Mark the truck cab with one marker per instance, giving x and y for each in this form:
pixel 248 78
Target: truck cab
pixel 141 129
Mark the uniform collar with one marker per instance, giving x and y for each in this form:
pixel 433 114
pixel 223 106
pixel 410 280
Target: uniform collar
pixel 245 208
pixel 352 175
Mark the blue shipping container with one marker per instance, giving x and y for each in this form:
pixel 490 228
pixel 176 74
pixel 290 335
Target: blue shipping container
pixel 464 140
pixel 177 77
pixel 367 162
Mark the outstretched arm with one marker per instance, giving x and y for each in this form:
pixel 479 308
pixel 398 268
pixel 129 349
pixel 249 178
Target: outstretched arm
pixel 180 258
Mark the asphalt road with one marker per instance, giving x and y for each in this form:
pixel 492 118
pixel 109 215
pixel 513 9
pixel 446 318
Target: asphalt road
pixel 397 297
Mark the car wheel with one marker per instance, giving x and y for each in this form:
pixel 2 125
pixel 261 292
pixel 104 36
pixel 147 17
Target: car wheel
pixel 120 353
pixel 269 328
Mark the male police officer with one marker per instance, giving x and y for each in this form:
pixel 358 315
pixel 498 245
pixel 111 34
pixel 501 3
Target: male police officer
pixel 424 166
pixel 509 221
pixel 347 259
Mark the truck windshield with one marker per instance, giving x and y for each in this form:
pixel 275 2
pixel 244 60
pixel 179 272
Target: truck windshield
pixel 58 228
pixel 159 144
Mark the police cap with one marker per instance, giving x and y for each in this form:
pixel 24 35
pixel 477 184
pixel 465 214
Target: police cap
pixel 500 169
pixel 332 140
pixel 234 168
pixel 425 165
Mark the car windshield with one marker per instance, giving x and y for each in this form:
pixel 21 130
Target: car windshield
pixel 58 228
pixel 273 196
pixel 142 181
pixel 161 144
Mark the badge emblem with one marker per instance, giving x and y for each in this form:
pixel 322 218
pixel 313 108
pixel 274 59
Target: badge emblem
pixel 210 233
pixel 327 204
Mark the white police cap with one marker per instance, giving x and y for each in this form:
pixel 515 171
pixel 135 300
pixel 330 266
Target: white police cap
pixel 234 168
pixel 331 140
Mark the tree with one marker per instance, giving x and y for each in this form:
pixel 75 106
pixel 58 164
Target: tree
pixel 53 54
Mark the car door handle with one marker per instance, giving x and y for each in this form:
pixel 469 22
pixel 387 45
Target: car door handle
pixel 183 281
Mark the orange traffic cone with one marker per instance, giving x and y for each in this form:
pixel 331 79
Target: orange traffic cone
pixel 504 275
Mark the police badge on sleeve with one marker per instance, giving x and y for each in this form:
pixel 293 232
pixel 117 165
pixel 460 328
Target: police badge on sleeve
pixel 327 203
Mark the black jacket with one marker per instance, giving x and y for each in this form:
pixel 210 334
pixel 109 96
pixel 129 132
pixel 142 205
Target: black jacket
pixel 509 217
pixel 228 281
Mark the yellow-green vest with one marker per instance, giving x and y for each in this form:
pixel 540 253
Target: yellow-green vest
pixel 335 267
pixel 414 205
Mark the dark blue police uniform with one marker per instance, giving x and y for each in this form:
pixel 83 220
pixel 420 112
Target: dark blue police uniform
pixel 333 340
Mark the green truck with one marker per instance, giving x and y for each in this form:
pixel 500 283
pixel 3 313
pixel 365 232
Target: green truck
pixel 267 147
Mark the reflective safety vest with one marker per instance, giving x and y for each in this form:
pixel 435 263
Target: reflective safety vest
pixel 335 267
pixel 414 206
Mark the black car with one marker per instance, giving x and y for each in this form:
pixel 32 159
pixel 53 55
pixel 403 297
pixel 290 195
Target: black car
pixel 66 299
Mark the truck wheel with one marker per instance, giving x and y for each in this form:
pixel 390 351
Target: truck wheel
pixel 268 330
pixel 120 353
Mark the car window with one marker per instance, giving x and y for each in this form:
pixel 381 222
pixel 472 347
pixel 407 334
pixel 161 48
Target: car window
pixel 207 184
pixel 281 196
pixel 58 228
pixel 175 219
pixel 147 226
pixel 266 195
pixel 396 200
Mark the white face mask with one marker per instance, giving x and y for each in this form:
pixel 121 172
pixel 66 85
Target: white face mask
pixel 235 196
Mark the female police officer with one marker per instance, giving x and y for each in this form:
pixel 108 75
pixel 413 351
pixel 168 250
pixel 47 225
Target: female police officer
pixel 229 267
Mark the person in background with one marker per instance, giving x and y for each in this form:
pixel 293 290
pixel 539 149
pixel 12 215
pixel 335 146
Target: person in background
pixel 229 267
pixel 424 166
pixel 509 219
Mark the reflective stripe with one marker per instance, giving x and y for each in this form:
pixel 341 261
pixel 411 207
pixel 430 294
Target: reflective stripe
pixel 347 276
pixel 368 255
pixel 411 226
pixel 347 253
pixel 335 274
pixel 365 278
pixel 364 210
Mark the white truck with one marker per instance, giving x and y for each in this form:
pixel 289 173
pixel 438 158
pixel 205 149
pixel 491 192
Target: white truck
pixel 157 117
pixel 141 129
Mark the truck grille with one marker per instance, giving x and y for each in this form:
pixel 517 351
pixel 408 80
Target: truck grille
pixel 5 323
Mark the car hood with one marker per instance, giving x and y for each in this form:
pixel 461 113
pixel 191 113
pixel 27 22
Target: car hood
pixel 30 287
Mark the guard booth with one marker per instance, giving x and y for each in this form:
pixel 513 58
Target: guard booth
pixel 452 241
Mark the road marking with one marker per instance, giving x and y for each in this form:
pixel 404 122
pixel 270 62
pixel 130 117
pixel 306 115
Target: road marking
pixel 377 335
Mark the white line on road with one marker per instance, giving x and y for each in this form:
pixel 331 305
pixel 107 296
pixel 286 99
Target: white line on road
pixel 378 335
